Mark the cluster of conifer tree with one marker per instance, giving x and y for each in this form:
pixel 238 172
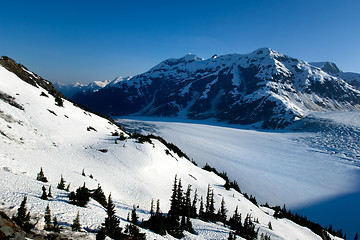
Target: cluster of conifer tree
pixel 111 228
pixel 182 208
pixel 246 229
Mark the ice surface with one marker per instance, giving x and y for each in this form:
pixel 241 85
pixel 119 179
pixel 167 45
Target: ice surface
pixel 296 168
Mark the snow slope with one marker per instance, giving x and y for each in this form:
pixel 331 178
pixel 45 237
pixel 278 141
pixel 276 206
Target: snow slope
pixel 297 168
pixel 65 140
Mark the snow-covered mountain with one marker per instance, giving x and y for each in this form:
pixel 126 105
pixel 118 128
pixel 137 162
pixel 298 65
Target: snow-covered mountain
pixel 69 90
pixel 39 129
pixel 263 87
pixel 331 68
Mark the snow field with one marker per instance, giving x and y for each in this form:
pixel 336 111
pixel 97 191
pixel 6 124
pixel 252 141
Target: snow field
pixel 133 173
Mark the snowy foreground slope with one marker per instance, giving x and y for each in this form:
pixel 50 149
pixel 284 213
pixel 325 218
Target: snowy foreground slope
pixel 36 133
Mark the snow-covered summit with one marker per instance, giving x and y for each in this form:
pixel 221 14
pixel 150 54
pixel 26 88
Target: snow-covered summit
pixel 264 87
pixel 328 67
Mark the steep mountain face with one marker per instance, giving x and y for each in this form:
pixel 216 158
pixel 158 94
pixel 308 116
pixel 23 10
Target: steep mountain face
pixel 331 68
pixel 64 140
pixel 261 87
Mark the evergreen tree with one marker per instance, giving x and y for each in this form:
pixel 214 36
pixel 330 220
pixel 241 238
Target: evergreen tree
pixel 201 209
pixel 231 236
pixel 22 218
pixel 68 188
pixel 50 194
pixel 134 232
pixel 210 205
pixel 180 199
pixel 158 207
pixel 152 208
pixel 356 236
pixel 173 200
pixel 157 222
pixel 111 226
pixel 47 217
pixel 41 177
pixel 235 222
pixel 61 184
pixel 56 227
pixel 134 217
pixel 222 211
pixel 44 194
pixel 270 225
pixel 248 230
pixel 81 197
pixel 188 226
pixel 187 202
pixel 75 226
pixel 193 206
pixel 83 172
pixel 99 196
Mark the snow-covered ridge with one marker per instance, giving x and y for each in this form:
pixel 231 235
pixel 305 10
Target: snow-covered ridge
pixel 264 87
pixel 64 139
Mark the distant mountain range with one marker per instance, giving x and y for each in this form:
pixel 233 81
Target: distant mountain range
pixel 264 87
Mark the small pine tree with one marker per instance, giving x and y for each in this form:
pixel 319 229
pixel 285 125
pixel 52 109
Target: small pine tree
pixel 235 222
pixel 68 188
pixel 158 212
pixel 56 226
pixel 59 101
pixel 134 232
pixel 248 230
pixel 157 222
pixel 44 194
pixel 81 197
pixel 193 206
pixel 231 236
pixel 152 208
pixel 134 217
pixel 270 225
pixel 222 211
pixel 83 172
pixel 47 217
pixel 187 203
pixel 75 226
pixel 201 209
pixel 50 194
pixel 99 196
pixel 22 218
pixel 41 176
pixel 111 226
pixel 61 184
pixel 173 201
pixel 210 205
pixel 180 198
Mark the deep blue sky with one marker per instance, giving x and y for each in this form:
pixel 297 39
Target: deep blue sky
pixel 82 41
